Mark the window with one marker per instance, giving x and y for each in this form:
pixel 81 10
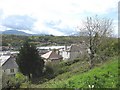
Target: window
pixel 12 70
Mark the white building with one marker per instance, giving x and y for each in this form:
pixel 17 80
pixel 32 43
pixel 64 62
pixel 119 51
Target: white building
pixel 74 51
pixel 67 52
pixel 43 50
pixel 8 53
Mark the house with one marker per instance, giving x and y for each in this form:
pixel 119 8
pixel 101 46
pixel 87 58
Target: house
pixel 43 50
pixel 74 51
pixel 67 52
pixel 8 64
pixel 51 56
pixel 9 53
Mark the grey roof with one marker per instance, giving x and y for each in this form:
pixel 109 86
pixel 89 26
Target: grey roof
pixel 77 48
pixel 51 55
pixel 10 63
pixel 3 59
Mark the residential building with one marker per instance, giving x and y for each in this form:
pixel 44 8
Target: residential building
pixel 67 52
pixel 43 50
pixel 74 51
pixel 51 56
pixel 8 64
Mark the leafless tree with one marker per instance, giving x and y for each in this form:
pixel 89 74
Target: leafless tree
pixel 96 30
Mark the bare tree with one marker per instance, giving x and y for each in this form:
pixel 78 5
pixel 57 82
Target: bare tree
pixel 96 30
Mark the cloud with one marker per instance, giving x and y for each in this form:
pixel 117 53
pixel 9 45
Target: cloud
pixel 60 26
pixel 1 13
pixel 35 7
pixel 58 17
pixel 46 28
pixel 18 22
pixel 52 23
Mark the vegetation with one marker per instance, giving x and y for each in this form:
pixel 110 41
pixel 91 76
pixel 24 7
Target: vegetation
pixel 97 30
pixel 102 76
pixel 13 81
pixel 29 61
pixel 47 40
pixel 98 70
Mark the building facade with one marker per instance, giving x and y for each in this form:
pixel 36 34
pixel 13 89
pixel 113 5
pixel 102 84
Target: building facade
pixel 9 65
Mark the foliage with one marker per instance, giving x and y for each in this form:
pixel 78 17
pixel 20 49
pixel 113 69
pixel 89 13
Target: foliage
pixel 13 81
pixel 106 50
pixel 13 40
pixel 47 40
pixel 49 72
pixel 20 77
pixel 29 61
pixel 97 30
pixel 54 69
pixel 67 72
pixel 104 76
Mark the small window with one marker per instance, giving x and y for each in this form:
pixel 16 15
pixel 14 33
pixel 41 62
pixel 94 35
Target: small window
pixel 12 70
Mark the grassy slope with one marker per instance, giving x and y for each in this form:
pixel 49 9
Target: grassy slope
pixel 105 76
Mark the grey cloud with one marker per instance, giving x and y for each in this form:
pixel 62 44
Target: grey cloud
pixel 1 12
pixel 19 22
pixel 53 24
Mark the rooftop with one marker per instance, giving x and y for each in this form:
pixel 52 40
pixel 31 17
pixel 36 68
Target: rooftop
pixel 52 47
pixel 51 55
pixel 3 59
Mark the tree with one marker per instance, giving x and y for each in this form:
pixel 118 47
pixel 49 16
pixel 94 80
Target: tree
pixel 29 61
pixel 96 29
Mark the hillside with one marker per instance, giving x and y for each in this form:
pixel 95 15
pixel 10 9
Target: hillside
pixel 47 40
pixel 14 32
pixel 79 76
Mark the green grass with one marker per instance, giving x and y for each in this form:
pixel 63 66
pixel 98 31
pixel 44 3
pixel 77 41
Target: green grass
pixel 102 76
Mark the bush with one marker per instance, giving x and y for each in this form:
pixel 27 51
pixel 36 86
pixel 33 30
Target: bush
pixel 54 69
pixel 68 63
pixel 20 78
pixel 13 81
pixel 49 73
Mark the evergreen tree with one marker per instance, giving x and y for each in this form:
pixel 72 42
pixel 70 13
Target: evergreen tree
pixel 29 61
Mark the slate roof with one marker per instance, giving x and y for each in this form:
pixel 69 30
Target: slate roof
pixel 51 55
pixel 77 48
pixel 8 62
pixel 3 59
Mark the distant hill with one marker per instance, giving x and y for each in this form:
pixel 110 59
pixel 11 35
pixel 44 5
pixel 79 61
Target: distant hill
pixel 15 32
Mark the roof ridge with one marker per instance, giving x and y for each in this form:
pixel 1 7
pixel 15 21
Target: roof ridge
pixel 5 61
pixel 50 53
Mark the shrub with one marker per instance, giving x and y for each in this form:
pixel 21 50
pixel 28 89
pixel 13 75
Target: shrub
pixel 20 78
pixel 49 73
pixel 13 81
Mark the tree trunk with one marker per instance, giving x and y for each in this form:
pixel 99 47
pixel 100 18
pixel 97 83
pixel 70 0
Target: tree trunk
pixel 91 64
pixel 91 61
pixel 29 76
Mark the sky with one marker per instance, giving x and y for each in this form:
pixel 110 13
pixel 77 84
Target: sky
pixel 56 17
